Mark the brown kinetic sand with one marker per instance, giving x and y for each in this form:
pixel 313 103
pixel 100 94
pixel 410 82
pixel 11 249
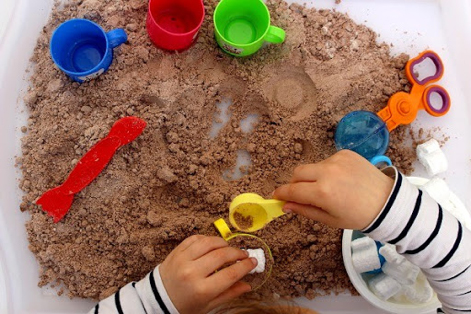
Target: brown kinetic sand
pixel 168 183
pixel 242 222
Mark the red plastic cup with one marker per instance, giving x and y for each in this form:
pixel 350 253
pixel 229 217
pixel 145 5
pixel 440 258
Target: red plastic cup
pixel 174 24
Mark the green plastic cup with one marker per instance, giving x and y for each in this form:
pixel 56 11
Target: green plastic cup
pixel 242 26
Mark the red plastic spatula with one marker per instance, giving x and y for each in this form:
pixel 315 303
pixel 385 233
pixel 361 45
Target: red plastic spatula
pixel 57 201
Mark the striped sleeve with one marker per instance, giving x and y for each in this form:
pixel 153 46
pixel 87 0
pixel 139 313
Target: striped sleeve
pixel 143 297
pixel 429 237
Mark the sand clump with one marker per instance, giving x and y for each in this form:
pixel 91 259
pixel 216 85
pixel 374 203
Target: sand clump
pixel 168 183
pixel 242 222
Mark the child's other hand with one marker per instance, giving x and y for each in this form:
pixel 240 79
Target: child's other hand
pixel 343 191
pixel 188 274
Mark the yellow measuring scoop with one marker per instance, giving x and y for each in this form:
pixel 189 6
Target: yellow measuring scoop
pixel 250 212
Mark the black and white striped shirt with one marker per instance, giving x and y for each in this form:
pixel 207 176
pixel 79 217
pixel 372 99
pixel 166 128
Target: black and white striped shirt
pixel 147 296
pixel 423 232
pixel 430 238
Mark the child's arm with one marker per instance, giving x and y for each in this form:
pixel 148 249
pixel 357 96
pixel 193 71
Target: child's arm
pixel 346 191
pixel 187 281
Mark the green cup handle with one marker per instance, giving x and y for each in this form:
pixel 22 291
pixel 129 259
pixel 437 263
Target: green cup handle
pixel 275 35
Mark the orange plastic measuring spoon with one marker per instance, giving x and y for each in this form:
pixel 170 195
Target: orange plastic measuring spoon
pixel 402 107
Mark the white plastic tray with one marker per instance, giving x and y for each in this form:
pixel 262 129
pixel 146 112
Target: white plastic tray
pixel 411 25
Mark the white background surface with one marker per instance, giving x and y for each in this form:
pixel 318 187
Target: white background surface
pixel 411 25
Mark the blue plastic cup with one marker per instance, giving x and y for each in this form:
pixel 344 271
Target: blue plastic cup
pixel 82 49
pixel 362 132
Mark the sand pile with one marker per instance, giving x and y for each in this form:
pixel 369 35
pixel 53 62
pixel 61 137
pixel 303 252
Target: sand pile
pixel 168 184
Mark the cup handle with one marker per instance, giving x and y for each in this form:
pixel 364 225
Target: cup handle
pixel 275 35
pixel 116 37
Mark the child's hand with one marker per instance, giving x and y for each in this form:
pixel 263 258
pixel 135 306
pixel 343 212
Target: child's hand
pixel 343 191
pixel 188 274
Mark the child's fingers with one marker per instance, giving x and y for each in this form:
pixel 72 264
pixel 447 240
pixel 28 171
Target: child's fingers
pixel 188 242
pixel 233 292
pixel 215 259
pixel 227 277
pixel 203 246
pixel 301 192
pixel 305 173
pixel 310 212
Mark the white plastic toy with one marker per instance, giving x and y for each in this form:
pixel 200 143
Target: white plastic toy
pixel 384 287
pixel 388 251
pixel 405 272
pixel 432 157
pixel 365 256
pixel 259 254
pixel 397 266
pixel 419 292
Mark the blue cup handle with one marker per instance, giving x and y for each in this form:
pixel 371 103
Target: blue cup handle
pixel 116 37
pixel 381 161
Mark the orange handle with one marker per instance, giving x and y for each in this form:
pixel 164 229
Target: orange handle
pixel 403 107
pixel 439 68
